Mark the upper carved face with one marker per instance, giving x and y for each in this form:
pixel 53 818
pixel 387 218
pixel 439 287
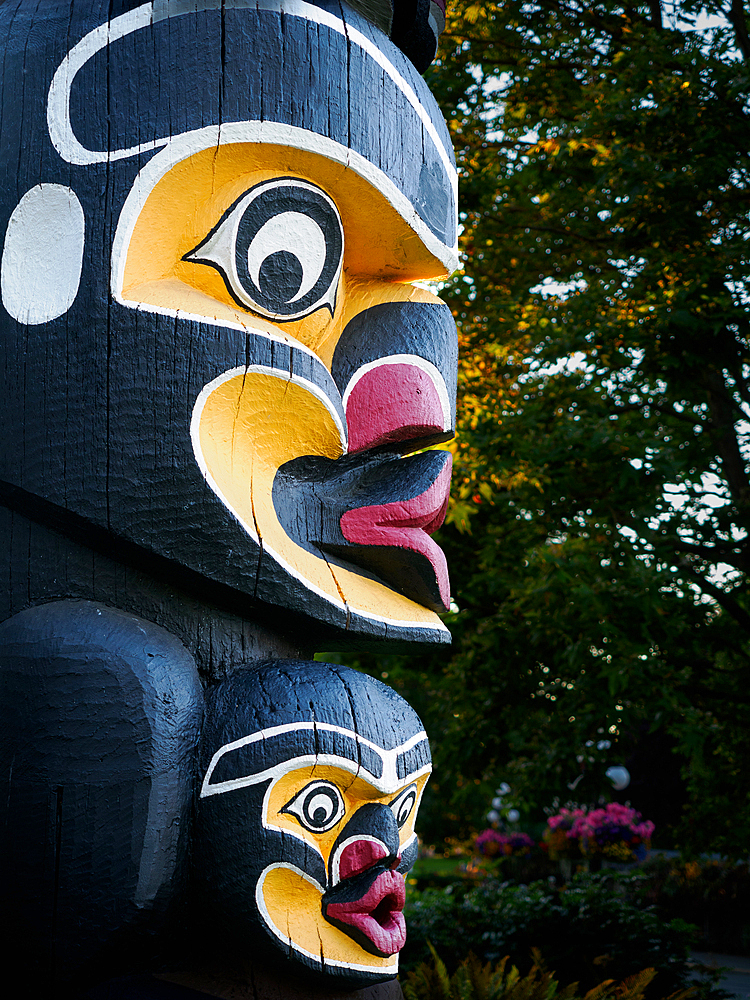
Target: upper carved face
pixel 249 227
pixel 305 826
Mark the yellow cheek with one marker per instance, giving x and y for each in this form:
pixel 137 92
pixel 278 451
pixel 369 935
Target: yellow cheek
pixel 293 912
pixel 251 424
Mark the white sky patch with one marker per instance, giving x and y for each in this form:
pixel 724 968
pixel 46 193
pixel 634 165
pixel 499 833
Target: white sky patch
pixel 560 289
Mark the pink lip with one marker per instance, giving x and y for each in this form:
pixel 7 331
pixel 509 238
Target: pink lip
pixel 395 401
pixel 377 915
pixel 407 524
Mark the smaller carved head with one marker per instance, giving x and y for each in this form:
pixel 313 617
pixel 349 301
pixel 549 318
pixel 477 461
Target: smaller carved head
pixel 312 777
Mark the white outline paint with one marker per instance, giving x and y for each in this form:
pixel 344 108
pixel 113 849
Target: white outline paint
pixel 427 367
pixel 287 941
pixel 58 102
pixel 200 403
pixel 387 784
pixel 181 147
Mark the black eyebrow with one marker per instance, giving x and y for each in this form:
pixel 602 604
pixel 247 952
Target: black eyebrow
pixel 253 758
pixel 413 759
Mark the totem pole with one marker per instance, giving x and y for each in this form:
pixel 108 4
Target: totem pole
pixel 220 379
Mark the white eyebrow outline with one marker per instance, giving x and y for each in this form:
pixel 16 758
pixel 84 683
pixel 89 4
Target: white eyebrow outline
pixel 389 781
pixel 58 102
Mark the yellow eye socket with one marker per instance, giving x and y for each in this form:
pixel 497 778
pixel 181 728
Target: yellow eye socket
pixel 403 805
pixel 318 807
pixel 279 248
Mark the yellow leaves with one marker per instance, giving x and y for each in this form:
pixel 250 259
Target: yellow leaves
pixel 485 491
pixel 551 146
pixel 554 147
pixel 514 480
pixel 473 13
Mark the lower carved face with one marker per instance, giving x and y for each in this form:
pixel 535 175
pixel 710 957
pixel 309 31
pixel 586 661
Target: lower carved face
pixel 306 831
pixel 364 841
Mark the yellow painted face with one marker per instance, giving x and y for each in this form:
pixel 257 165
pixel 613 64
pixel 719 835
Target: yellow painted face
pixel 178 254
pixel 381 256
pixel 361 835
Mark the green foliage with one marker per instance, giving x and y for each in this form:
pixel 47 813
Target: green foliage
pixel 715 895
pixel 599 533
pixel 474 981
pixel 588 929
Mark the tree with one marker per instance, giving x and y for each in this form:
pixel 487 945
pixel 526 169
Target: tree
pixel 599 533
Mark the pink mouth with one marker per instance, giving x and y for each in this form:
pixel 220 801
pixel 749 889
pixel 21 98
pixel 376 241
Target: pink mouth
pixel 407 524
pixel 377 915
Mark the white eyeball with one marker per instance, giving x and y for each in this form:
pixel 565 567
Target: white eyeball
pixel 402 806
pixel 279 248
pixel 318 807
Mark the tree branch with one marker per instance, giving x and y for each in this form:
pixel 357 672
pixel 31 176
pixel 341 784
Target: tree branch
pixel 723 599
pixel 736 16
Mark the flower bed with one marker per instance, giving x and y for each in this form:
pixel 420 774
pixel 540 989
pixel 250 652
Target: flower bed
pixel 493 844
pixel 614 832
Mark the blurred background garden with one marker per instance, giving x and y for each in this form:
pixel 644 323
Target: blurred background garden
pixel 597 536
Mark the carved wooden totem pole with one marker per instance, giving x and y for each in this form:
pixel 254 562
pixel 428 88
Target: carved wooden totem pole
pixel 219 379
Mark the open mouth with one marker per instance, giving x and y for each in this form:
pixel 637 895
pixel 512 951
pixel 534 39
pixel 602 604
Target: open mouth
pixel 373 919
pixel 376 509
pixel 404 527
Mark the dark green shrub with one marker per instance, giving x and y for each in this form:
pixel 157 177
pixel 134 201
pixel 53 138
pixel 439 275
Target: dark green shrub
pixel 714 895
pixel 585 930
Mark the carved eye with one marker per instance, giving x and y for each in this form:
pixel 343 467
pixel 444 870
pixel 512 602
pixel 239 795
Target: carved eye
pixel 402 806
pixel 318 807
pixel 279 249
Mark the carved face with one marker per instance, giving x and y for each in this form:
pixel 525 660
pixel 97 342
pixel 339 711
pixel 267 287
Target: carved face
pixel 305 826
pixel 241 228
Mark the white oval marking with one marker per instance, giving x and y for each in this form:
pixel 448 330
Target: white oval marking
pixel 43 254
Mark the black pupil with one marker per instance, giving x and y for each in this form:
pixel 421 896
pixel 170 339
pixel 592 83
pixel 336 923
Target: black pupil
pixel 403 813
pixel 280 275
pixel 322 812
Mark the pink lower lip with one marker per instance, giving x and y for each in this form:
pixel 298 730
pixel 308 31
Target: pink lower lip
pixel 377 915
pixel 406 524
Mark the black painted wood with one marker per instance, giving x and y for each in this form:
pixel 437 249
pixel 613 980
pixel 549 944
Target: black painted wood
pixel 101 714
pixel 128 583
pixel 99 397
